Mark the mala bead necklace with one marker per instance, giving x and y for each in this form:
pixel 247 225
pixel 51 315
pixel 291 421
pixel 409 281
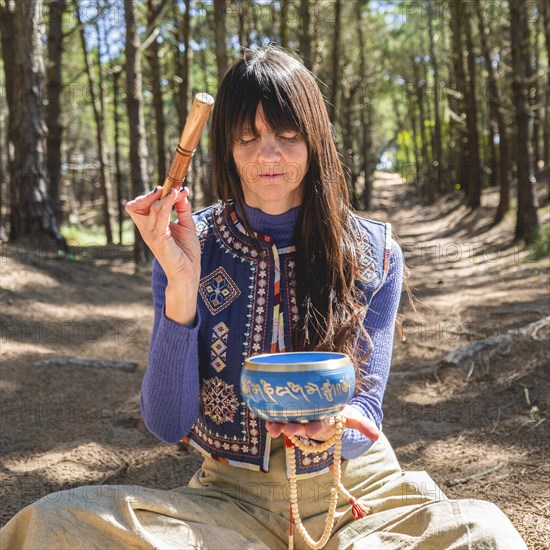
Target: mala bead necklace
pixel 336 370
pixel 358 510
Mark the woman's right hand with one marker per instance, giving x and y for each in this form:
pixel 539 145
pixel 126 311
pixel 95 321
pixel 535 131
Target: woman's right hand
pixel 175 245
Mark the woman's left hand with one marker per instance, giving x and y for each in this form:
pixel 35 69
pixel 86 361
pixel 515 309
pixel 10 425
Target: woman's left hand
pixel 324 429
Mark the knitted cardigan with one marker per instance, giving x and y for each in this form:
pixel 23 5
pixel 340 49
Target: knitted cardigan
pixel 247 306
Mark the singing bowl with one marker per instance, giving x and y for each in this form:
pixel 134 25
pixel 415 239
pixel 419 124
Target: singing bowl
pixel 297 386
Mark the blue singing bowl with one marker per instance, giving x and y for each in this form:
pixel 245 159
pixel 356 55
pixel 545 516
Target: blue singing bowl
pixel 297 386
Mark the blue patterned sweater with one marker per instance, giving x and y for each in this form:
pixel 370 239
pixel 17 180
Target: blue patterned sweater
pixel 190 389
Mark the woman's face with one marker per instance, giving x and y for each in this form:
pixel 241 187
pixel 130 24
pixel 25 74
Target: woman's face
pixel 272 167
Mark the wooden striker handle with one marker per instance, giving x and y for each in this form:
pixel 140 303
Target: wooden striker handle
pixel 189 139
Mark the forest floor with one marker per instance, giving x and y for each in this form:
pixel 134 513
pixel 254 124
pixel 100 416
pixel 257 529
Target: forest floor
pixel 481 429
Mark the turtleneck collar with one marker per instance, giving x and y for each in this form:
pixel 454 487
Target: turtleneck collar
pixel 279 227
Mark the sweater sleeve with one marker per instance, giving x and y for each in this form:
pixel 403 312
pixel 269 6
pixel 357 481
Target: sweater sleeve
pixel 380 325
pixel 170 387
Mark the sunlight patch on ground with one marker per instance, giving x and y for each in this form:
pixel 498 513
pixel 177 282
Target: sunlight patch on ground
pixel 13 272
pixel 83 463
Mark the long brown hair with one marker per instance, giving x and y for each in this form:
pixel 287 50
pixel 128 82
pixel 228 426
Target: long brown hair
pixel 328 264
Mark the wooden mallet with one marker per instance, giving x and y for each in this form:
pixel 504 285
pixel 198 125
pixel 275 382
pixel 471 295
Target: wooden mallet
pixel 189 139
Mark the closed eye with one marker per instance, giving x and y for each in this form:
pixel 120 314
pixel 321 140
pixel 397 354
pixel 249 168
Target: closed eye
pixel 290 139
pixel 249 138
pixel 243 141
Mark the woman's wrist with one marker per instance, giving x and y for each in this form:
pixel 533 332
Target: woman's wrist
pixel 181 303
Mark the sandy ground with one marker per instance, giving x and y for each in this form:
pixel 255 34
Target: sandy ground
pixel 481 429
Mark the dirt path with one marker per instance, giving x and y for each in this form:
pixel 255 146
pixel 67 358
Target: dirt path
pixel 67 426
pixel 491 413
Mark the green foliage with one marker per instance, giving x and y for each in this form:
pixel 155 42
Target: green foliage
pixel 404 155
pixel 540 248
pixel 94 235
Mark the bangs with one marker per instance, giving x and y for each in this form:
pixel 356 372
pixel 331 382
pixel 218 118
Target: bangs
pixel 261 85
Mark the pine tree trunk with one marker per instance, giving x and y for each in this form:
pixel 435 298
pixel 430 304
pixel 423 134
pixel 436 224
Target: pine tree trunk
pixel 243 8
pixel 241 15
pixel 220 10
pixel 368 164
pixel 104 175
pixel 535 96
pixel 431 178
pixel 103 114
pixel 414 125
pixel 254 23
pixel 134 105
pixel 3 173
pixel 496 105
pixel 545 10
pixel 158 103
pixel 473 160
pixel 203 186
pixel 53 109
pixel 401 124
pixel 366 110
pixel 335 80
pixel 437 157
pixel 347 142
pixel 349 90
pixel 283 23
pixel 73 141
pixel 183 62
pixel 32 214
pixel 8 56
pixel 457 102
pixel 489 122
pixel 305 35
pixel 419 92
pixel 527 219
pixel 116 75
pixel 426 93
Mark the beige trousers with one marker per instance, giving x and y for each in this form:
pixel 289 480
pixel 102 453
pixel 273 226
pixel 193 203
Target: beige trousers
pixel 231 508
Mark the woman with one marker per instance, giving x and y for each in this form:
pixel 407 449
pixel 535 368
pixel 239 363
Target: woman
pixel 280 264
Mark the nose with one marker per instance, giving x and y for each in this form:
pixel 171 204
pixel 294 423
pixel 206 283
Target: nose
pixel 269 150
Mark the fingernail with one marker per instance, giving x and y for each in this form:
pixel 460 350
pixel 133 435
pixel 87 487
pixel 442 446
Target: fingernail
pixel 186 189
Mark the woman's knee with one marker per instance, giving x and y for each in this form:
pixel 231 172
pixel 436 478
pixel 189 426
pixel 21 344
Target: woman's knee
pixel 488 526
pixel 67 503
